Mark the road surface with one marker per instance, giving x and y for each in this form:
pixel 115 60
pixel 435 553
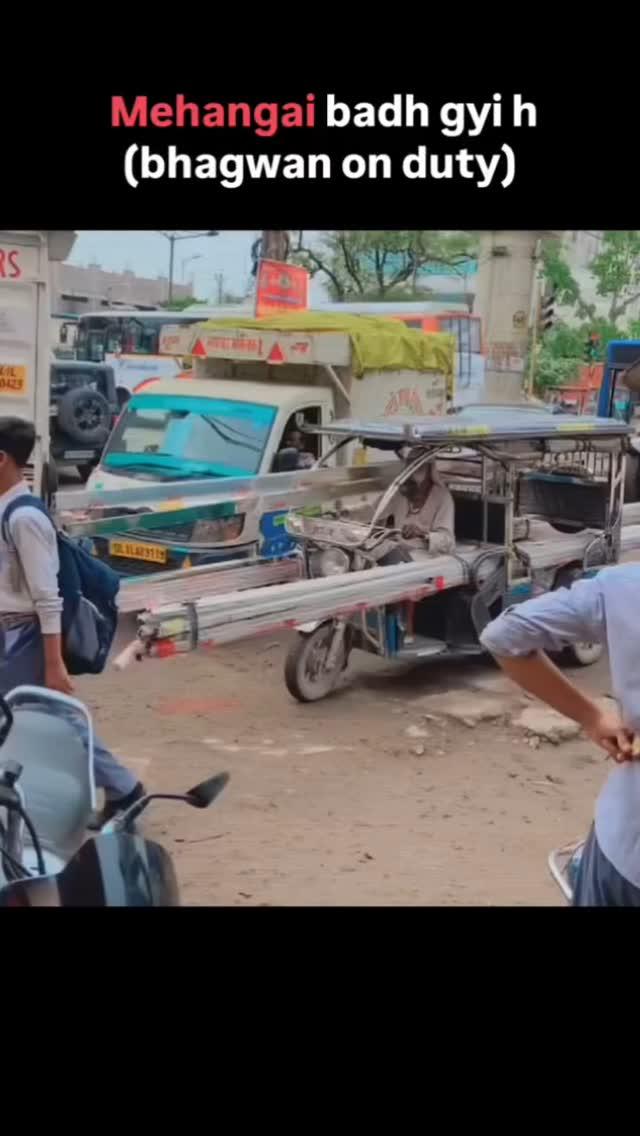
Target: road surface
pixel 366 798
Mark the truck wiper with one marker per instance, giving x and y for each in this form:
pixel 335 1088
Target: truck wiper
pixel 243 440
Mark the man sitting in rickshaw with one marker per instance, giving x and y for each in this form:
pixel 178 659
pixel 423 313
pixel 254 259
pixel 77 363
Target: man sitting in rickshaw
pixel 423 513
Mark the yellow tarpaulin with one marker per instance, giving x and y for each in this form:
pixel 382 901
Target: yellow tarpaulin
pixel 378 344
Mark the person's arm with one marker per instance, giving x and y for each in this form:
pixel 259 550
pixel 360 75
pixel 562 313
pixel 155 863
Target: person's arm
pixel 519 638
pixel 438 533
pixel 36 545
pixel 442 533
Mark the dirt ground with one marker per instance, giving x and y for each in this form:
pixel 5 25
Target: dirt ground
pixel 335 803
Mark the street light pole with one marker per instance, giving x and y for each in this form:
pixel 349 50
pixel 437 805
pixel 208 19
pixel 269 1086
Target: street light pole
pixel 172 249
pixel 188 260
pixel 172 238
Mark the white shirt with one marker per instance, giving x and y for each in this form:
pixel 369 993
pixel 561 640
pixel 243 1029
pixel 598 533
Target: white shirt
pixel 436 517
pixel 29 565
pixel 604 609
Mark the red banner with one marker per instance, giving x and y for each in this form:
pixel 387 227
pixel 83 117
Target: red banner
pixel 281 288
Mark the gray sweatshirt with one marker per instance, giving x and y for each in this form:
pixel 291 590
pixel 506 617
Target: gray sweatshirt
pixel 29 570
pixel 604 609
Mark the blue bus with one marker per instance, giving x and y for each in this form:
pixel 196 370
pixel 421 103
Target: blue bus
pixel 615 399
pixel 620 398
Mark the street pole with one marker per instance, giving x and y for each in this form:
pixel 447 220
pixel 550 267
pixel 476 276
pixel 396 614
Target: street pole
pixel 172 238
pixel 534 311
pixel 275 244
pixel 172 247
pixel 507 282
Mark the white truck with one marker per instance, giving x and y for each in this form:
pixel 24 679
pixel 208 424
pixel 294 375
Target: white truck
pixel 235 414
pixel 25 336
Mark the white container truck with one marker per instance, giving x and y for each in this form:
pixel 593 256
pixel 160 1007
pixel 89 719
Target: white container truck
pixel 25 336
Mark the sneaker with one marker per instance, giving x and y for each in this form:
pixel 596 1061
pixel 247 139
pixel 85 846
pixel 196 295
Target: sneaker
pixel 115 805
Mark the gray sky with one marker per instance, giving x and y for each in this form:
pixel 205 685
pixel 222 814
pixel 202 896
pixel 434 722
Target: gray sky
pixel 147 254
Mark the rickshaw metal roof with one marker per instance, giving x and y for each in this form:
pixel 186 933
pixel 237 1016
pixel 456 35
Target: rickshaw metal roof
pixel 500 424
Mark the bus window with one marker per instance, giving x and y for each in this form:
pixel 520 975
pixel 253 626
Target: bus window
pixel 102 336
pixel 466 331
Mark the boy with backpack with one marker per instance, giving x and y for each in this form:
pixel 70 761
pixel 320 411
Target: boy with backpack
pixel 57 609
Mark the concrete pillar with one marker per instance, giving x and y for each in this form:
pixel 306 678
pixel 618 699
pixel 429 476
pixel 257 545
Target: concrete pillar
pixel 507 282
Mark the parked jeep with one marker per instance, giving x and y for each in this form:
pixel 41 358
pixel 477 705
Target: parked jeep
pixel 83 408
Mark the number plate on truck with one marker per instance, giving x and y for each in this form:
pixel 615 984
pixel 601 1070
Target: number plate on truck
pixel 13 379
pixel 131 550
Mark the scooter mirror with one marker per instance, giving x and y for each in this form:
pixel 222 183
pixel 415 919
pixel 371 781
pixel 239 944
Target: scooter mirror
pixel 202 795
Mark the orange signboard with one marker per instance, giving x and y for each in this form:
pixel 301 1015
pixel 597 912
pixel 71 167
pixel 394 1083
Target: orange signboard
pixel 281 288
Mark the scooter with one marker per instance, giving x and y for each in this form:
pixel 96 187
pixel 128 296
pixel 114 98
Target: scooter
pixel 47 794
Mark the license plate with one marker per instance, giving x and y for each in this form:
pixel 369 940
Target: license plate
pixel 13 379
pixel 131 550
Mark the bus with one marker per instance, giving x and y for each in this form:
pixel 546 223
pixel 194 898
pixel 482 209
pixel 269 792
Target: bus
pixel 619 397
pixel 128 340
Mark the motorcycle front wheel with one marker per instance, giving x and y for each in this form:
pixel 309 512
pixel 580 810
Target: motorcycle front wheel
pixel 305 672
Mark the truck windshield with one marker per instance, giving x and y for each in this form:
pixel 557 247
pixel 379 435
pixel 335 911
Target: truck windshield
pixel 189 437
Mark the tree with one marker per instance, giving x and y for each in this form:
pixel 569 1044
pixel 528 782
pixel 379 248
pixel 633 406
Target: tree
pixel 617 270
pixel 381 264
pixel 180 305
pixel 557 274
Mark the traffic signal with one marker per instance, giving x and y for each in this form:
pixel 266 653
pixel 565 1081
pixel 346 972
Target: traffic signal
pixel 546 315
pixel 591 348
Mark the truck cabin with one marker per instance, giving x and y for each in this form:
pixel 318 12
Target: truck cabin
pixel 236 412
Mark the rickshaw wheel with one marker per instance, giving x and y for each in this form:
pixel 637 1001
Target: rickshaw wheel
pixel 577 654
pixel 304 673
pixel 584 654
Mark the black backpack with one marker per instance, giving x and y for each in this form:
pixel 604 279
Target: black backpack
pixel 88 589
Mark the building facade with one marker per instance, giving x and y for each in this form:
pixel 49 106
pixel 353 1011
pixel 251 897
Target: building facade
pixel 75 289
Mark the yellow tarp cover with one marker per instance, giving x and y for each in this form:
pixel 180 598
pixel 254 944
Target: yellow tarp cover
pixel 378 344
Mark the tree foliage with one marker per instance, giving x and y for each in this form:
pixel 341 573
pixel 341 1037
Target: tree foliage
pixel 182 303
pixel 616 270
pixel 557 274
pixel 381 264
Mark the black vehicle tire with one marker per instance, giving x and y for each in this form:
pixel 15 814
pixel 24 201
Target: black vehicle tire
pixel 631 478
pixel 304 675
pixel 85 416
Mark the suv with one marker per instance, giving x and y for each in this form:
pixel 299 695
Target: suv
pixel 82 409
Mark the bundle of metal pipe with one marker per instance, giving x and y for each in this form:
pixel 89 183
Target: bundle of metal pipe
pixel 238 615
pixel 214 620
pixel 148 592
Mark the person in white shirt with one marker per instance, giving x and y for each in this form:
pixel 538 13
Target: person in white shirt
pixel 294 440
pixel 31 607
pixel 423 511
